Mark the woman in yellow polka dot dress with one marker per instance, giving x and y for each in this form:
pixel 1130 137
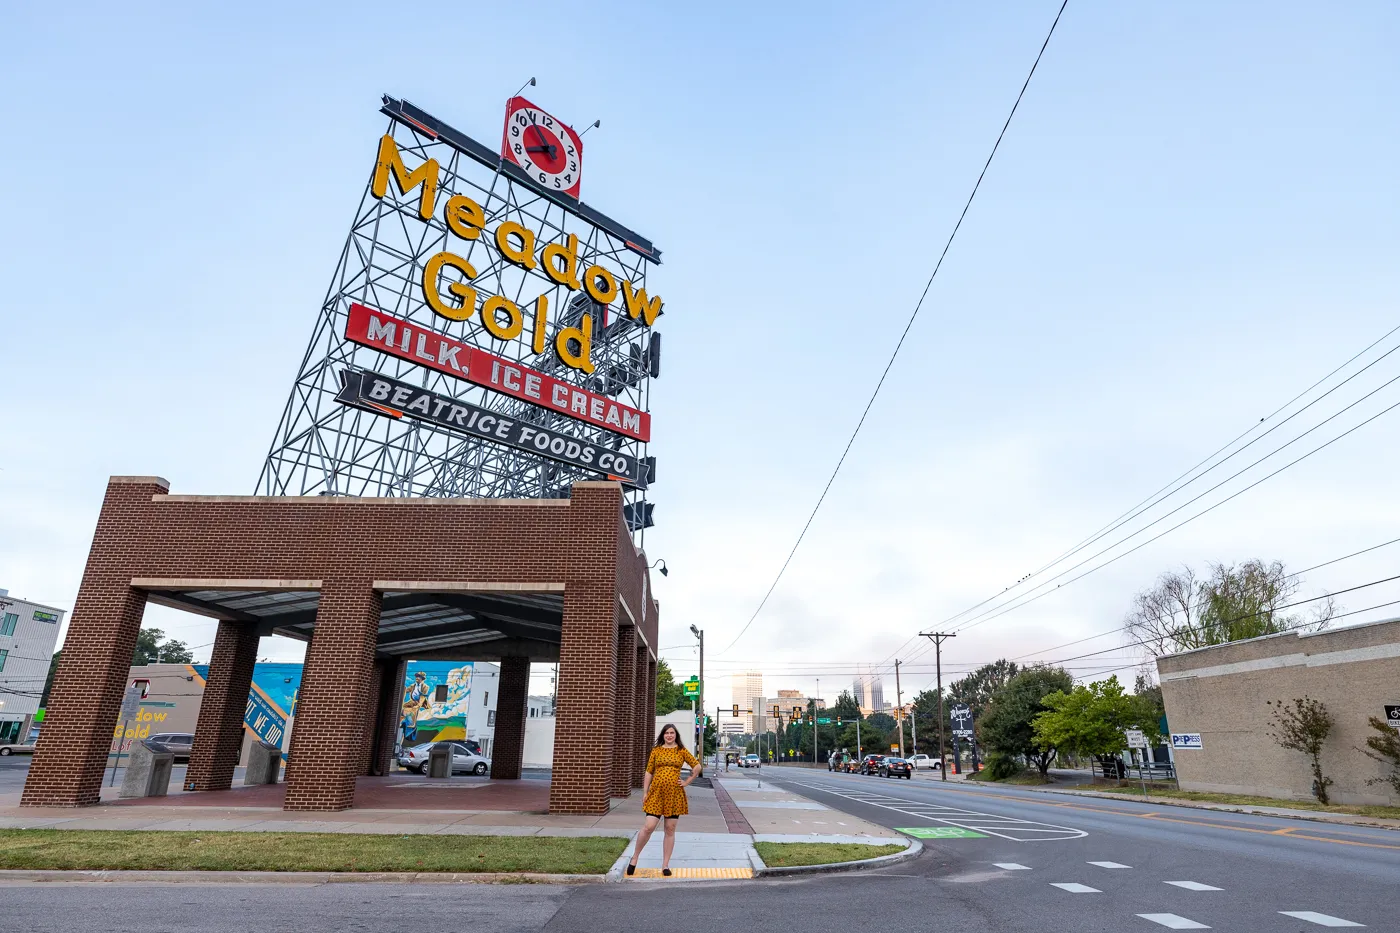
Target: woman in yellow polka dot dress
pixel 663 794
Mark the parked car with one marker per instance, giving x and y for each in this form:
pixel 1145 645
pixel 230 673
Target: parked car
pixel 871 764
pixel 464 760
pixel 922 761
pixel 750 761
pixel 178 742
pixel 16 750
pixel 895 768
pixel 835 762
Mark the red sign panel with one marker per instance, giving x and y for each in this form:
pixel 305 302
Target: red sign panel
pixel 418 344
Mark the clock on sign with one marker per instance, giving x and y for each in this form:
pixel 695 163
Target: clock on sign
pixel 549 151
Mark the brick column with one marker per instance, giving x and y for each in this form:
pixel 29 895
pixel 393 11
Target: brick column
pixel 390 701
pixel 335 685
pixel 583 719
pixel 624 730
pixel 370 716
pixel 87 693
pixel 218 735
pixel 512 702
pixel 642 726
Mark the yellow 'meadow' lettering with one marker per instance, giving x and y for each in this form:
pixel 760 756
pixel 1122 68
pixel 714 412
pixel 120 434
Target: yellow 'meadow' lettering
pixel 432 270
pixel 464 217
pixel 600 284
pixel 523 255
pixel 390 162
pixel 638 304
pixel 555 253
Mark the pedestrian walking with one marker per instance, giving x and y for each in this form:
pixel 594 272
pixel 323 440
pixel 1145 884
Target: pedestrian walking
pixel 663 794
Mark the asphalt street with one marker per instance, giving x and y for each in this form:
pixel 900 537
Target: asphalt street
pixel 996 859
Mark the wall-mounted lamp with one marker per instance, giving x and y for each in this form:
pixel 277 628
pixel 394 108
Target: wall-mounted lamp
pixel 662 565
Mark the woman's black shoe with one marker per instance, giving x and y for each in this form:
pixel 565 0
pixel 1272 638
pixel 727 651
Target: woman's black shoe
pixel 631 869
pixel 666 872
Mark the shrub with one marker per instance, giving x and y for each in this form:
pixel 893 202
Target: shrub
pixel 1001 766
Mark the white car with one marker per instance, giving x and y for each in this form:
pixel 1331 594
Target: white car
pixel 463 759
pixel 924 761
pixel 750 761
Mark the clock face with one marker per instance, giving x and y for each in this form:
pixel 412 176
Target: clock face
pixel 545 148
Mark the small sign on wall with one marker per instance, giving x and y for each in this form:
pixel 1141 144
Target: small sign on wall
pixel 1392 715
pixel 1186 740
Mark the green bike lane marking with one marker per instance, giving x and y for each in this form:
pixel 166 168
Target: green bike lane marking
pixel 940 832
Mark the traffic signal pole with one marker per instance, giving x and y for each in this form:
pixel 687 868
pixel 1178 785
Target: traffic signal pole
pixel 899 701
pixel 937 639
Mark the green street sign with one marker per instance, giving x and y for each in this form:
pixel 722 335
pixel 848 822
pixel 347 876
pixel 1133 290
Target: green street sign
pixel 824 722
pixel 941 832
pixel 692 687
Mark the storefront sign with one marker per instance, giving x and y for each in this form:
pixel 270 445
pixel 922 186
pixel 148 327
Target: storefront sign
pixel 1182 740
pixel 428 348
pixel 380 394
pixel 45 616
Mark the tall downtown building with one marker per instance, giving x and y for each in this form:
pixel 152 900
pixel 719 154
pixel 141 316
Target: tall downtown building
pixel 748 690
pixel 868 688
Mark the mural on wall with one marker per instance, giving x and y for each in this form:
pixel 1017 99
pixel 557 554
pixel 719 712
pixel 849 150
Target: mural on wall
pixel 271 701
pixel 435 698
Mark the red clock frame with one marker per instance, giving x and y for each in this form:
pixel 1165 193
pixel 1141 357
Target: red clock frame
pixel 545 148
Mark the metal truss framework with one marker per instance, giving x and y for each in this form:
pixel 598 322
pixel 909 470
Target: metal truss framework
pixel 324 447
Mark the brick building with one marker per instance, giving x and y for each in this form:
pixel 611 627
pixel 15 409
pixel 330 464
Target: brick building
pixel 367 582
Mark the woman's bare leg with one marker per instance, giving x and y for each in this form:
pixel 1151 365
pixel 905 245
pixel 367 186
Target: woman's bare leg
pixel 668 843
pixel 647 829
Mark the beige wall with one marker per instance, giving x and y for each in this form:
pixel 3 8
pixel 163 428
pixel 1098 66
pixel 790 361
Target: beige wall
pixel 1221 692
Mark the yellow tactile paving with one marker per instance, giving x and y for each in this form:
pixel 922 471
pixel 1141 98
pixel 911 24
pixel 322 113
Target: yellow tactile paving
pixel 653 873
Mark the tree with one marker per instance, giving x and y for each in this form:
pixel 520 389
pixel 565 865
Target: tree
pixel 978 688
pixel 1303 726
pixel 1152 693
pixel 1385 748
pixel 1091 720
pixel 48 681
pixel 670 696
pixel 1007 727
pixel 881 722
pixel 846 706
pixel 1181 611
pixel 151 648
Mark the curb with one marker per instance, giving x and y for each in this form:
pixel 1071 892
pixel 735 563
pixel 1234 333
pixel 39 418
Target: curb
pixel 882 861
pixel 294 877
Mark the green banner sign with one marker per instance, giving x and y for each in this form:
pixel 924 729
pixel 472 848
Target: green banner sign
pixel 692 687
pixel 941 832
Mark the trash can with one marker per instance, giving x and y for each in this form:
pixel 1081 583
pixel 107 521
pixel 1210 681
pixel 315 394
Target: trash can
pixel 440 761
pixel 264 764
pixel 147 770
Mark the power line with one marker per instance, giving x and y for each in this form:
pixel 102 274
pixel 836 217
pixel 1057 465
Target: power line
pixel 908 325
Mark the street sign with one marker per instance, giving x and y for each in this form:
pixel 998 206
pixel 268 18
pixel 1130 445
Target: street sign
pixel 1186 740
pixel 961 714
pixel 1135 737
pixel 1392 715
pixel 692 687
pixel 131 703
pixel 823 722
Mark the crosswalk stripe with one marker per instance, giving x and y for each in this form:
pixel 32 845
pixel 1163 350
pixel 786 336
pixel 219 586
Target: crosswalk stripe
pixel 1322 920
pixel 1194 886
pixel 1110 864
pixel 1012 866
pixel 1174 922
pixel 1074 887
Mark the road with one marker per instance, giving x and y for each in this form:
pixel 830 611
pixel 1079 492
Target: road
pixel 1009 860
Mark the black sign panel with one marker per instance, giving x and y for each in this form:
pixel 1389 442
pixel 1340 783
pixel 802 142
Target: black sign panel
pixel 396 399
pixel 961 714
pixel 1392 715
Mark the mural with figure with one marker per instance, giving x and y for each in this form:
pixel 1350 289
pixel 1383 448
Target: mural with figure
pixel 271 699
pixel 435 699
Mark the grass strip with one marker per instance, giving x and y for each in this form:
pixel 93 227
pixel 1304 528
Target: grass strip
pixel 1024 779
pixel 1245 800
pixel 793 854
pixel 226 851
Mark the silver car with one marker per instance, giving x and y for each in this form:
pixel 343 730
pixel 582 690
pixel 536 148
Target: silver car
pixel 464 760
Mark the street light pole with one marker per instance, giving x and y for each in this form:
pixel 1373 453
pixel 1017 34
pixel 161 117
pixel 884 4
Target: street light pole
pixel 937 639
pixel 700 700
pixel 899 701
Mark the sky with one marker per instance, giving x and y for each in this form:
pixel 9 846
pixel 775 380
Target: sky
pixel 1192 219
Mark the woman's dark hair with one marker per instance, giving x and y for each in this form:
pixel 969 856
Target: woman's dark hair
pixel 661 736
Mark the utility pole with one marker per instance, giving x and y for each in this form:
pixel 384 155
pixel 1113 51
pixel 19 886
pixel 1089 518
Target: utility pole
pixel 700 700
pixel 899 701
pixel 937 639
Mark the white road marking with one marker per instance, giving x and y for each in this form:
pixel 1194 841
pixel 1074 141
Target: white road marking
pixel 1110 864
pixel 1321 920
pixel 1173 922
pixel 1012 866
pixel 1194 886
pixel 1004 827
pixel 1074 887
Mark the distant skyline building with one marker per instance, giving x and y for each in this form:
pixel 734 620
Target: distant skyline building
pixel 748 690
pixel 868 689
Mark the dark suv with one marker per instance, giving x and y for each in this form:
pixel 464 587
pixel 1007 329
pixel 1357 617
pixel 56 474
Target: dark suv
pixel 871 764
pixel 896 768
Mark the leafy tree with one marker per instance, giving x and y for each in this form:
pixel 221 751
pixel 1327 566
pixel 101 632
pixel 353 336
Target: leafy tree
pixel 1008 726
pixel 1181 611
pixel 711 737
pixel 881 722
pixel 670 696
pixel 1303 726
pixel 1385 748
pixel 846 706
pixel 978 688
pixel 1152 693
pixel 1091 720
pixel 48 681
pixel 151 648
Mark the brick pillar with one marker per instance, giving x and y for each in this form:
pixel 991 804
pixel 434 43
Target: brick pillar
pixel 583 718
pixel 389 714
pixel 370 716
pixel 642 727
pixel 624 734
pixel 335 687
pixel 87 693
pixel 218 735
pixel 512 701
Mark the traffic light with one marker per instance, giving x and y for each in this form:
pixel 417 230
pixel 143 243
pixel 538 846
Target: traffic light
pixel 736 710
pixel 797 712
